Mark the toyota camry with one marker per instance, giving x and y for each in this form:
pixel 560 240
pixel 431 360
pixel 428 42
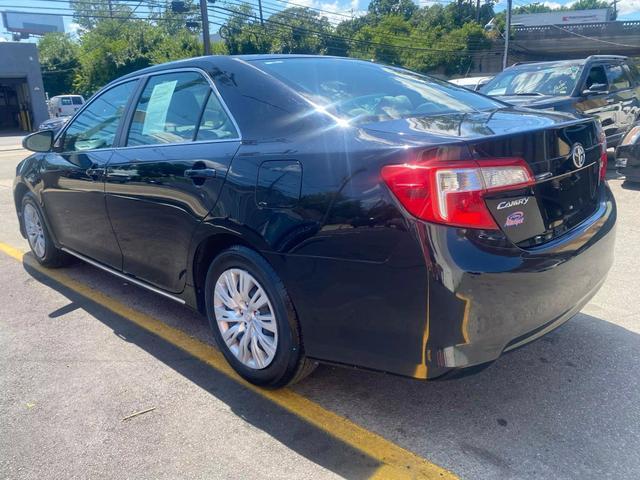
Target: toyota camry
pixel 320 209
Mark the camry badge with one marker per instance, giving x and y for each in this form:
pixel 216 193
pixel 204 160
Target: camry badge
pixel 513 203
pixel 578 155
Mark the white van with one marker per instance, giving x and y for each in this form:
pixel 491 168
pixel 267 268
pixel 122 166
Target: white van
pixel 65 105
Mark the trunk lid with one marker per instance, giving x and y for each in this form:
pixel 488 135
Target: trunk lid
pixel 565 162
pixel 565 193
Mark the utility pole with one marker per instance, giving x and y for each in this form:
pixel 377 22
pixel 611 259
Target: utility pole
pixel 110 9
pixel 615 9
pixel 260 8
pixel 206 38
pixel 507 33
pixel 477 11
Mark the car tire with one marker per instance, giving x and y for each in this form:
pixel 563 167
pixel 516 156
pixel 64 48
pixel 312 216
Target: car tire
pixel 272 355
pixel 38 236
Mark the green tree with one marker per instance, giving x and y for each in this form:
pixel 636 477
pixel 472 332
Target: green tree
pixel 533 8
pixel 403 8
pixel 59 60
pixel 114 48
pixel 299 30
pixel 589 4
pixel 88 13
pixel 175 22
pixel 242 32
pixel 385 41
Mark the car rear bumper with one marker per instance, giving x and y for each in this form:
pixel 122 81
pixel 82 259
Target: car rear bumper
pixel 487 298
pixel 447 298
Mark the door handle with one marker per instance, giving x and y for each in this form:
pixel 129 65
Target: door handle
pixel 119 176
pixel 200 173
pixel 94 172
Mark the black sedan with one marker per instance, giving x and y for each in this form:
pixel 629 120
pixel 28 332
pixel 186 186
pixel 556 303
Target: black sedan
pixel 321 209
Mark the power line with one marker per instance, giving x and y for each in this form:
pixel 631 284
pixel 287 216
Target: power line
pixel 352 39
pixel 461 49
pixel 471 42
pixel 593 38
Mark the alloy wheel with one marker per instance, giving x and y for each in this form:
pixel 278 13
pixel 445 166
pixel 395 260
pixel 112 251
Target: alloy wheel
pixel 34 229
pixel 246 318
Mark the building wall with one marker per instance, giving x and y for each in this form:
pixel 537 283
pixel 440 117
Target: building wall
pixel 20 60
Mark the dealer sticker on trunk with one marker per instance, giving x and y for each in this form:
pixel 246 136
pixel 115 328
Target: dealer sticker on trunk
pixel 518 217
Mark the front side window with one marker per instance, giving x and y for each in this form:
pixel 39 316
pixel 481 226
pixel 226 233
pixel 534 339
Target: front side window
pixel 76 100
pixel 596 76
pixel 362 92
pixel 97 125
pixel 535 80
pixel 178 107
pixel 617 77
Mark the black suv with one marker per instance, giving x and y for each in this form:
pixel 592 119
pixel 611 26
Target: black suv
pixel 606 86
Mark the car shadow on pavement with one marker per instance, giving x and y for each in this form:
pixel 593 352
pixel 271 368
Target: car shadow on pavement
pixel 627 185
pixel 306 440
pixel 565 406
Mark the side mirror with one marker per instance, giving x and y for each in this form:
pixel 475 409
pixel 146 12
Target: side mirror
pixel 596 89
pixel 41 141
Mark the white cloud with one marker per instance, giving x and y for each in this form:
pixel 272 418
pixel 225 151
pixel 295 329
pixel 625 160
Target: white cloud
pixel 334 10
pixel 627 7
pixel 74 29
pixel 553 4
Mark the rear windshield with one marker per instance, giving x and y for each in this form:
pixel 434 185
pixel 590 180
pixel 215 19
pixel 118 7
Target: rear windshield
pixel 76 100
pixel 550 79
pixel 364 92
pixel 65 101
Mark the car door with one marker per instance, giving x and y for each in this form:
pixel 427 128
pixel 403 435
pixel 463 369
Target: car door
pixel 599 104
pixel 73 177
pixel 624 96
pixel 167 174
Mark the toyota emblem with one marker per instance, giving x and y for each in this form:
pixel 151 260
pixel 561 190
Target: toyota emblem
pixel 578 155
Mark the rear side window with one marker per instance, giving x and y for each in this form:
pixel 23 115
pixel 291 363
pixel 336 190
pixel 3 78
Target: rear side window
pixel 97 125
pixel 632 70
pixel 65 101
pixel 178 107
pixel 215 123
pixel 617 77
pixel 77 100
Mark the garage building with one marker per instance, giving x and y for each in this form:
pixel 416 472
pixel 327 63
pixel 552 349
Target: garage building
pixel 22 100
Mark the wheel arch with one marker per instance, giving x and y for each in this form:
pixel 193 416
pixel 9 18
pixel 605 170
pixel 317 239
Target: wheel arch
pixel 19 191
pixel 206 250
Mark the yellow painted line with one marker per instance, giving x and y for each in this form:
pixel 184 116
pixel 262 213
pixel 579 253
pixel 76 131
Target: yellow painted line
pixel 396 462
pixel 465 317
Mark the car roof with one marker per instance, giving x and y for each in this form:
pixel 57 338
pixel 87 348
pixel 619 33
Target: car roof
pixel 554 63
pixel 209 61
pixel 576 61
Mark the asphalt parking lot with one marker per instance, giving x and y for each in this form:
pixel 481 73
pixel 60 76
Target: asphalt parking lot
pixel 80 351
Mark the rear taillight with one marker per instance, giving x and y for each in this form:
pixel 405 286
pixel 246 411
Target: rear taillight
pixel 602 140
pixel 453 192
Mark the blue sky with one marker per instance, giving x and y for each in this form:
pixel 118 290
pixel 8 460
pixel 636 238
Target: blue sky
pixel 336 9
